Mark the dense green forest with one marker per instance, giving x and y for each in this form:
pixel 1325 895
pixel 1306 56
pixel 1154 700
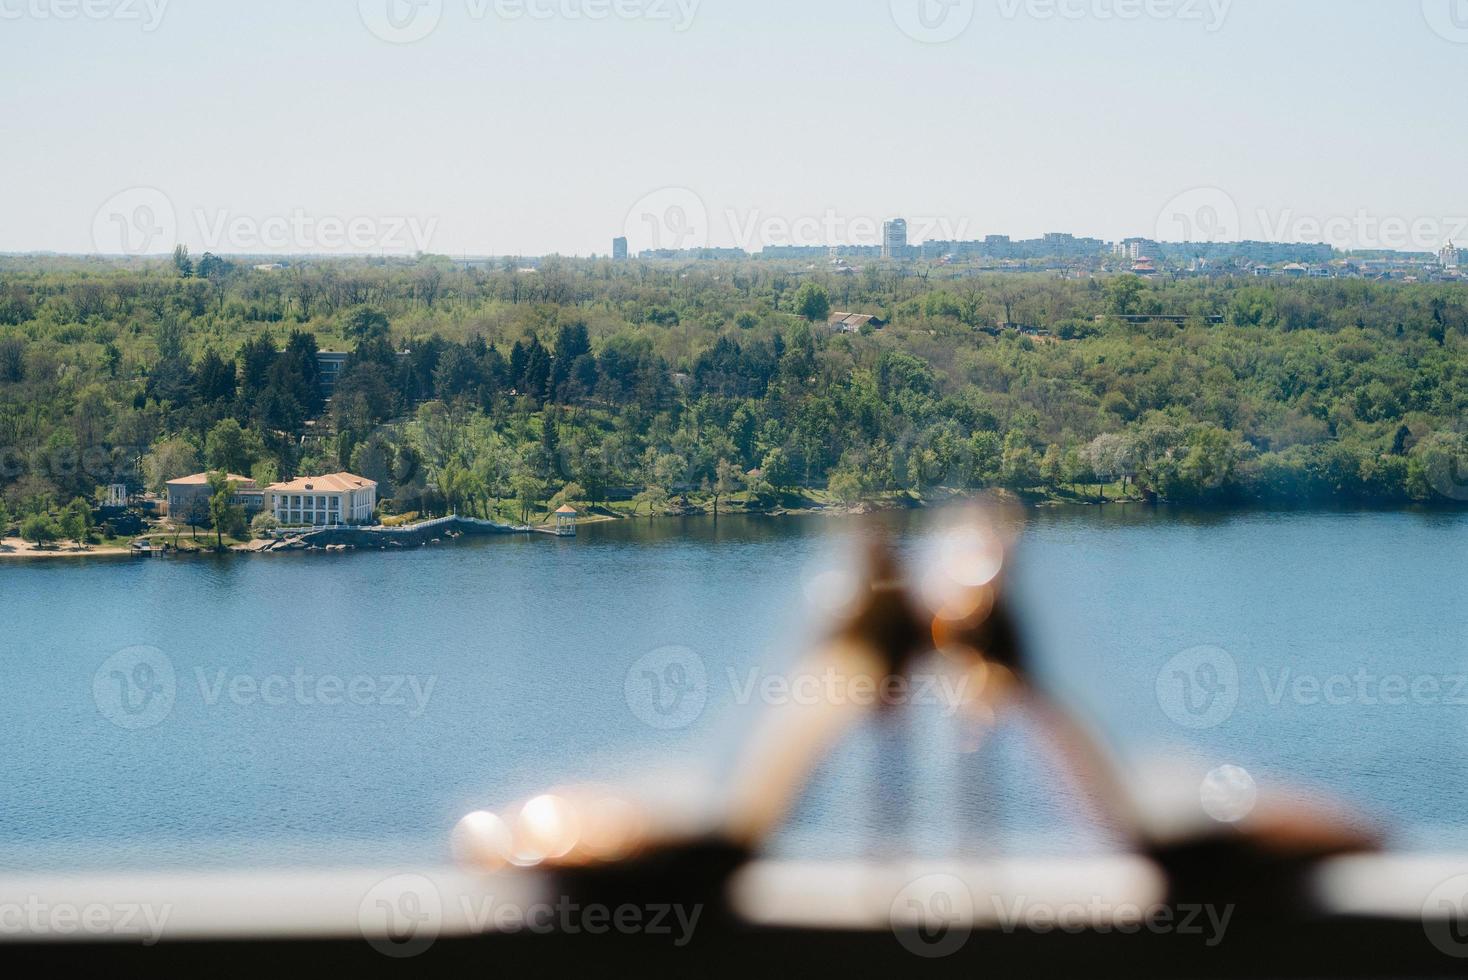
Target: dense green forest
pixel 588 380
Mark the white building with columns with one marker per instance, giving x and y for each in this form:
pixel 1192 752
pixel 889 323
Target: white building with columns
pixel 323 501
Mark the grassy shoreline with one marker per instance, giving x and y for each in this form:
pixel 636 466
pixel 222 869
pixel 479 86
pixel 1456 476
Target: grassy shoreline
pixel 803 503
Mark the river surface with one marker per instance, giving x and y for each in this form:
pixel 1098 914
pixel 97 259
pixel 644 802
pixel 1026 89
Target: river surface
pixel 323 709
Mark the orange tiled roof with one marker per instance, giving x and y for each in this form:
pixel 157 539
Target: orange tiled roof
pixel 331 483
pixel 200 479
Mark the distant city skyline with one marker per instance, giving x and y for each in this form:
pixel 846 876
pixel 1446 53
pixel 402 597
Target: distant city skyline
pixel 494 129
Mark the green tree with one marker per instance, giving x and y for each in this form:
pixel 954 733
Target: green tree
pixel 813 302
pixel 727 481
pixel 452 483
pixel 1108 459
pixel 40 529
pixel 224 514
pixel 1123 294
pixel 1052 467
pixel 231 448
pixel 1021 469
pixel 656 499
pixel 76 522
pixel 263 524
pixel 846 486
pixel 775 469
pixel 169 460
pixel 571 495
pixel 267 471
pixel 367 323
pixel 376 459
pixel 528 491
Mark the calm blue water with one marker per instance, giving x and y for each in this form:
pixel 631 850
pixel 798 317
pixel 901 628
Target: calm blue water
pixel 350 708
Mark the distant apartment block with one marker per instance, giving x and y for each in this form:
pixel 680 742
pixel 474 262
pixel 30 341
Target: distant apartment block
pixel 1450 257
pixel 619 249
pixel 1136 248
pixel 330 363
pixel 894 239
pixel 323 501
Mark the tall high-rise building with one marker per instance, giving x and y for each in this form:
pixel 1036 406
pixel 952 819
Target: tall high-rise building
pixel 894 238
pixel 1450 256
pixel 619 249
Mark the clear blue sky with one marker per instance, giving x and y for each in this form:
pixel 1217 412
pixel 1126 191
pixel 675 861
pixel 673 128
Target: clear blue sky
pixel 504 134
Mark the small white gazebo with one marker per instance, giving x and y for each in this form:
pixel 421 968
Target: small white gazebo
pixel 566 521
